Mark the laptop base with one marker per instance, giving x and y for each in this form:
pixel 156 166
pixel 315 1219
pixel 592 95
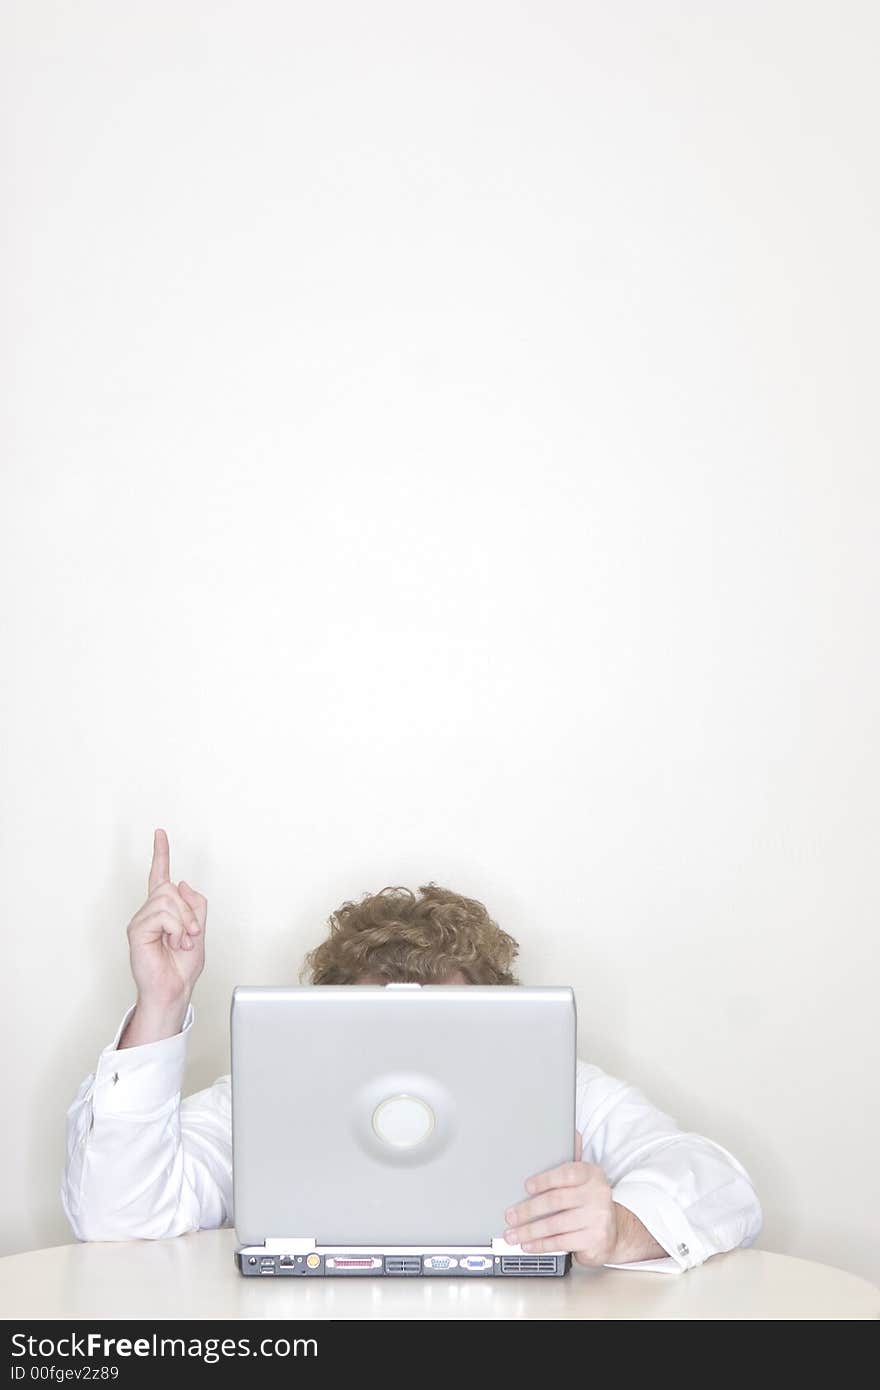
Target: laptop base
pixel 304 1259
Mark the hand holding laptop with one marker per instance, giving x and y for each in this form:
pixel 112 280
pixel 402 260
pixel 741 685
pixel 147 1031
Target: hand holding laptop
pixel 570 1209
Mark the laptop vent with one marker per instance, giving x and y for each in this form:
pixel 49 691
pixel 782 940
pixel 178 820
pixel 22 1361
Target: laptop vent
pixel 403 1264
pixel 528 1264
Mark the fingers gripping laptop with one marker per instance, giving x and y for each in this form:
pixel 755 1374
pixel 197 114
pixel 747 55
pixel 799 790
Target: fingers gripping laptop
pixel 381 1130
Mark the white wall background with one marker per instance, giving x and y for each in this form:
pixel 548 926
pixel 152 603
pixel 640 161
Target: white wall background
pixel 440 442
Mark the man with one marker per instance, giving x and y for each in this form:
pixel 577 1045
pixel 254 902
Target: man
pixel 143 1163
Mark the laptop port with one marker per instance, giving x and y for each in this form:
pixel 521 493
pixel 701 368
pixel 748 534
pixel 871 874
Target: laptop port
pixel 353 1262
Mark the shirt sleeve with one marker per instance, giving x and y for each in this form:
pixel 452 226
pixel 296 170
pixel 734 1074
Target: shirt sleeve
pixel 693 1196
pixel 140 1162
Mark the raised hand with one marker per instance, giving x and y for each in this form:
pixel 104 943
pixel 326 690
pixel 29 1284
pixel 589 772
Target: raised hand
pixel 166 941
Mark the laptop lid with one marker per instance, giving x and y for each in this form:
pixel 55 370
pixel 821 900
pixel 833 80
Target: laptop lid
pixel 396 1115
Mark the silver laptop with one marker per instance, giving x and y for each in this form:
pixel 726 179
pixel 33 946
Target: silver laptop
pixel 384 1130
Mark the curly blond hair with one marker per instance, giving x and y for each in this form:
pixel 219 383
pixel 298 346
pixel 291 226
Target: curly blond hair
pixel 396 936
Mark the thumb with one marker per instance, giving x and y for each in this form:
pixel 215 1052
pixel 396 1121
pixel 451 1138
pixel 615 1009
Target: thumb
pixel 578 1146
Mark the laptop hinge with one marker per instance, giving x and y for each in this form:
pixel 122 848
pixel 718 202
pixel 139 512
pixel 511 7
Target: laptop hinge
pixel 294 1245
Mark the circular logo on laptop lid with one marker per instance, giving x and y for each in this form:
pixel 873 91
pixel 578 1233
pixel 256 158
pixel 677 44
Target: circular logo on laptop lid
pixel 403 1121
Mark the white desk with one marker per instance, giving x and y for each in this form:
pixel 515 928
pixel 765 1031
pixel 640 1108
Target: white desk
pixel 194 1276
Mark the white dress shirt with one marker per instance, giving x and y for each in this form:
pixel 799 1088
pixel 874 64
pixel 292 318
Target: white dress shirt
pixel 142 1163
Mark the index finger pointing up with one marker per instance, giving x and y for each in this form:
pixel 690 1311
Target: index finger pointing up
pixel 160 869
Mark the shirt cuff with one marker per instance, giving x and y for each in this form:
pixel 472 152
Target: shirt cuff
pixel 664 1219
pixel 140 1079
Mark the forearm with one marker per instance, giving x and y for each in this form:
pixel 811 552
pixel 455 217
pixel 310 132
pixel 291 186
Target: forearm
pixel 692 1196
pixel 123 1178
pixel 123 1140
pixel 694 1199
pixel 141 1163
pixel 152 1022
pixel 634 1241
